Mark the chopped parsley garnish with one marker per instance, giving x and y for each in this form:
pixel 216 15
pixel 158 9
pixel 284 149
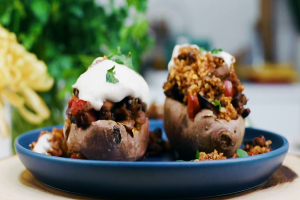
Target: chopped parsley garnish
pixel 217 103
pixel 197 155
pixel 110 76
pixel 241 153
pixel 121 58
pixel 216 51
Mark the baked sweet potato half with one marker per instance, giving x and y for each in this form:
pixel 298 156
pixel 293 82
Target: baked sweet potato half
pixel 107 114
pixel 108 140
pixel 204 106
pixel 205 133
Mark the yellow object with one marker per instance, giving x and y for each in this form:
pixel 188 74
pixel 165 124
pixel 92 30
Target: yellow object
pixel 21 74
pixel 268 73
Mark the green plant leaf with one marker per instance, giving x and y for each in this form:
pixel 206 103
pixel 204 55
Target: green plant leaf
pixel 217 103
pixel 5 4
pixel 110 76
pixel 86 60
pixel 140 28
pixel 241 153
pixel 77 11
pixel 140 5
pixel 30 38
pixel 19 7
pixel 216 51
pixel 124 32
pixel 41 10
pixel 6 16
pixel 122 59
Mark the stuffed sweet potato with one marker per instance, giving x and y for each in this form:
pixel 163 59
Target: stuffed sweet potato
pixel 204 107
pixel 107 114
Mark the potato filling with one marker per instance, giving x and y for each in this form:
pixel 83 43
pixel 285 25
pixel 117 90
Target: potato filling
pixel 130 112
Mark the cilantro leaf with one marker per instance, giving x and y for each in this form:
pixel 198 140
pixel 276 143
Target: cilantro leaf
pixel 197 155
pixel 241 153
pixel 216 51
pixel 217 103
pixel 110 76
pixel 201 49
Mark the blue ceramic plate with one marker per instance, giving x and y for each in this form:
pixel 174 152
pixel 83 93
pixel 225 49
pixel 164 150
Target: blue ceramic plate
pixel 159 177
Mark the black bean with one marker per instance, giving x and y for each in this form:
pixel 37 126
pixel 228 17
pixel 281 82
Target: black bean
pixel 260 141
pixel 245 113
pixel 76 92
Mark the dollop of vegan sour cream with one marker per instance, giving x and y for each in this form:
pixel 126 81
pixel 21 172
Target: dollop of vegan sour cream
pixel 92 85
pixel 43 144
pixel 228 59
pixel 176 53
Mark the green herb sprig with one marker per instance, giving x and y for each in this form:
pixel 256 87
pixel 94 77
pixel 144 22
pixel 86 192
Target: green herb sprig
pixel 216 51
pixel 217 103
pixel 110 76
pixel 241 153
pixel 197 155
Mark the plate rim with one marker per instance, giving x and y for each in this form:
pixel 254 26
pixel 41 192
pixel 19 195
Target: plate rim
pixel 18 147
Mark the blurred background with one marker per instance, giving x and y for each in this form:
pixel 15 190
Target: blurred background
pixel 60 39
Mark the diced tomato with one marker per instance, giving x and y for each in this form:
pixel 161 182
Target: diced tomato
pixel 250 153
pixel 193 106
pixel 76 105
pixel 228 88
pixel 74 156
pixel 77 156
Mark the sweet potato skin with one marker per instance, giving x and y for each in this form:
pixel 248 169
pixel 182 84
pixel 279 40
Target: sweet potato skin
pixel 205 133
pixel 108 140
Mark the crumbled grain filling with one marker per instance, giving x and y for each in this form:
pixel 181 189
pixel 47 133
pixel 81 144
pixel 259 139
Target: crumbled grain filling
pixel 201 72
pixel 210 156
pixel 251 150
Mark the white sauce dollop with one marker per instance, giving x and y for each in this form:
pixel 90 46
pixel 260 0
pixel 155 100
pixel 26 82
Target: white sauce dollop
pixel 93 87
pixel 228 59
pixel 176 53
pixel 43 144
